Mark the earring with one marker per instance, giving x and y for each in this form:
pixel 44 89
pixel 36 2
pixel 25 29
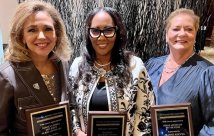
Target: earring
pixel 166 48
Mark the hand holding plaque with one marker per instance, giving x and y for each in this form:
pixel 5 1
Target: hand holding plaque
pixel 173 119
pixel 49 120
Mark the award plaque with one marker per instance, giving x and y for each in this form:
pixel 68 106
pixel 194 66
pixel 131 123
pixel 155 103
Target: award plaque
pixel 51 120
pixel 106 123
pixel 172 120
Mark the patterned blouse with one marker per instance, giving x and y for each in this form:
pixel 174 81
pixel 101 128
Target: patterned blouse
pixel 52 83
pixel 136 99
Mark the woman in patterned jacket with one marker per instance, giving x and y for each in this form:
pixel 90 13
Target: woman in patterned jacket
pixel 108 78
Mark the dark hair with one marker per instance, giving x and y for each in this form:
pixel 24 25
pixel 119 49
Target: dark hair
pixel 121 36
pixel 119 56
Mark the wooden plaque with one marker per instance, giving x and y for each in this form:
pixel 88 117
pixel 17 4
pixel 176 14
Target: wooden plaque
pixel 175 119
pixel 49 120
pixel 106 123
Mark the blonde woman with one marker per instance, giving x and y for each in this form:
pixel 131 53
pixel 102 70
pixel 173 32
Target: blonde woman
pixel 176 77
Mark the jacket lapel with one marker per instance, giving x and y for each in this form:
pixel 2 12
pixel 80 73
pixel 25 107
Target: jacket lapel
pixel 63 72
pixel 33 80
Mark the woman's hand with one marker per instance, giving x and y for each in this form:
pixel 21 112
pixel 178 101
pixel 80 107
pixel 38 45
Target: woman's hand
pixel 80 133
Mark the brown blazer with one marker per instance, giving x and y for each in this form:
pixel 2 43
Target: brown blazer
pixel 18 93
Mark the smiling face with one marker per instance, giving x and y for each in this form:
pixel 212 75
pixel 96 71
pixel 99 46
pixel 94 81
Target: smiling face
pixel 181 33
pixel 39 34
pixel 102 45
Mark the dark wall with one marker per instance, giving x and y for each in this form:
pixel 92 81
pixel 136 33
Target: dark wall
pixel 210 18
pixel 144 19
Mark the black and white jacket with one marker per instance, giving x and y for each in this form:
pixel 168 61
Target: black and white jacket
pixel 136 99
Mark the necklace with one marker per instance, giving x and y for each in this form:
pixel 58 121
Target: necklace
pixel 171 70
pixel 101 71
pixel 102 65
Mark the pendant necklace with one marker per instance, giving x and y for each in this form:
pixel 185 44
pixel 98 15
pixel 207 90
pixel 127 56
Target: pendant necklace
pixel 101 70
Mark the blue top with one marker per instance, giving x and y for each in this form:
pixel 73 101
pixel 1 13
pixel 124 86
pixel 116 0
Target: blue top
pixel 193 82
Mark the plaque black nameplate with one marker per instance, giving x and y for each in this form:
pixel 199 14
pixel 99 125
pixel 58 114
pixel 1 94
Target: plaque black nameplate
pixel 172 120
pixel 106 123
pixel 49 120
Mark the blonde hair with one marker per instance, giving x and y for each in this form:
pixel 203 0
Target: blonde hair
pixel 17 51
pixel 183 11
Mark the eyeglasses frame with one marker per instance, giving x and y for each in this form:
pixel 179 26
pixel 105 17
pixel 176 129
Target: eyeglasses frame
pixel 102 31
